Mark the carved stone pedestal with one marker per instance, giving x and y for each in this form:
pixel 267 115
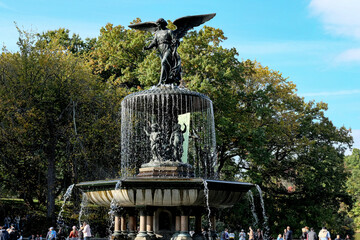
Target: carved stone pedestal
pixel 166 171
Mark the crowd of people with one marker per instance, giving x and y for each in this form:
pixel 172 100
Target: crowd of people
pixel 307 234
pixel 310 234
pixel 84 233
pixel 12 233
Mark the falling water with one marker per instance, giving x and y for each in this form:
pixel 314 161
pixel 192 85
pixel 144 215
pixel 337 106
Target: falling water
pixel 253 211
pixel 206 193
pixel 67 195
pixel 165 106
pixel 265 225
pixel 83 205
pixel 113 208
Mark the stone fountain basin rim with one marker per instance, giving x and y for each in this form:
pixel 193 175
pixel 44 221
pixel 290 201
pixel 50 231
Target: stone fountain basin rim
pixel 165 183
pixel 169 90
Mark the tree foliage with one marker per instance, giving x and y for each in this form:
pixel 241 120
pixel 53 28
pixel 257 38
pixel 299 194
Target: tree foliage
pixel 352 164
pixel 61 36
pixel 53 115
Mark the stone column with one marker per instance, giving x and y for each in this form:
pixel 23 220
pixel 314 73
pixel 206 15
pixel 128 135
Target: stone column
pixel 132 225
pixel 142 235
pixel 150 224
pixel 177 223
pixel 177 226
pixel 184 227
pixel 123 225
pixel 117 231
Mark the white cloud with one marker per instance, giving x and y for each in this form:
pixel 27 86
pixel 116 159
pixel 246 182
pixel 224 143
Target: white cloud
pixel 335 93
pixel 340 17
pixel 350 55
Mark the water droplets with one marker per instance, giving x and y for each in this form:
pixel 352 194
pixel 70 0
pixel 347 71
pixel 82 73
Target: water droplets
pixel 206 193
pixel 114 208
pixel 66 196
pixel 265 224
pixel 83 207
pixel 253 211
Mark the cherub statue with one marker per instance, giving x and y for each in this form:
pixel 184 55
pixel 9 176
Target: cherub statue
pixel 176 140
pixel 167 41
pixel 156 138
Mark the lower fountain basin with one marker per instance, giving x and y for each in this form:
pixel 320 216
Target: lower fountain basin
pixel 164 192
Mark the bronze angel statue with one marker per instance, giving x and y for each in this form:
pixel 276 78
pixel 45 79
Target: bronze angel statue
pixel 167 41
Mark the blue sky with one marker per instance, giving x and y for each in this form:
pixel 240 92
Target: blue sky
pixel 316 43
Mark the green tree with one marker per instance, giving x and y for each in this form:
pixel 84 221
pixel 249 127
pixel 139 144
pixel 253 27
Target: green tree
pixel 352 164
pixel 53 112
pixel 117 55
pixel 62 37
pixel 289 148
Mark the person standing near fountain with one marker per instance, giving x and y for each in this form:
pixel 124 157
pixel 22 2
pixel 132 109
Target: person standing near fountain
pixel 225 235
pixel 288 234
pixel 304 234
pixel 7 221
pixel 51 235
pixel 251 234
pixel 87 231
pixel 324 234
pixel 312 235
pixel 74 234
pixel 259 234
pixel 242 235
pixel 17 222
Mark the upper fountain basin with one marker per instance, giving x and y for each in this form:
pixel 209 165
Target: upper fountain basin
pixel 164 192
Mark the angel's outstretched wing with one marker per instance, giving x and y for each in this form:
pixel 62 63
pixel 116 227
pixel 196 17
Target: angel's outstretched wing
pixel 184 24
pixel 145 26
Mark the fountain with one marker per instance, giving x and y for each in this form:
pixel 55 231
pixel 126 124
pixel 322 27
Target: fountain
pixel 168 159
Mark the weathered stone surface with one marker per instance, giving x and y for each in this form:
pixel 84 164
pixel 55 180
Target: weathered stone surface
pixel 166 171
